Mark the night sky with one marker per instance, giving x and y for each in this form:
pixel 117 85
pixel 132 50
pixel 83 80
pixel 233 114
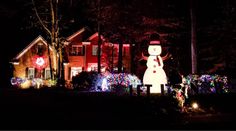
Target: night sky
pixel 215 22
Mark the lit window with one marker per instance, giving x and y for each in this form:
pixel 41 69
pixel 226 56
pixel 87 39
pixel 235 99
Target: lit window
pixel 31 72
pixel 76 50
pixel 47 74
pixel 95 50
pixel 94 68
pixel 75 71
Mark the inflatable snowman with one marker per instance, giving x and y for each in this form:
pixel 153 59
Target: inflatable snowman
pixel 154 74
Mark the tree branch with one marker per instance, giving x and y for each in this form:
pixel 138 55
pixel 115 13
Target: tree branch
pixel 53 24
pixel 41 22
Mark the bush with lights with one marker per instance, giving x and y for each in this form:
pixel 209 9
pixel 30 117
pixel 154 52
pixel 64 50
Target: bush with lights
pixel 37 83
pixel 84 81
pixel 112 82
pixel 207 83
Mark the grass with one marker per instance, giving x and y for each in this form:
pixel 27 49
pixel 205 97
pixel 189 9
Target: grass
pixel 68 109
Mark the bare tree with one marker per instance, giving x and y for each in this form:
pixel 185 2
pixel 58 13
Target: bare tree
pixel 51 26
pixel 99 37
pixel 193 36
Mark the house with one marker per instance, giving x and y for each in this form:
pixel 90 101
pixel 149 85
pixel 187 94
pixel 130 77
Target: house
pixel 31 65
pixel 81 53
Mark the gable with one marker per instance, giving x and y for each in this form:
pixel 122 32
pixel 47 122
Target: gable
pixel 80 35
pixel 76 34
pixel 95 37
pixel 26 49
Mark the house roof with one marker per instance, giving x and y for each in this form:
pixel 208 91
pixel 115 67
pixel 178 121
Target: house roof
pixel 76 34
pixel 39 38
pixel 94 36
pixel 86 37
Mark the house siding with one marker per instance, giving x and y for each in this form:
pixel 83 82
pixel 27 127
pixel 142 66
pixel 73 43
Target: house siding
pixel 25 61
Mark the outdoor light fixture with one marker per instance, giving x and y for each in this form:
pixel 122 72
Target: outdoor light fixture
pixel 125 45
pixel 15 63
pixel 65 63
pixel 194 105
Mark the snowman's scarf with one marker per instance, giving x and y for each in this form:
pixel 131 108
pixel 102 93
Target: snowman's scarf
pixel 158 61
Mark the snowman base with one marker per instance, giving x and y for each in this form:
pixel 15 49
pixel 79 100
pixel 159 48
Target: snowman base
pixel 161 89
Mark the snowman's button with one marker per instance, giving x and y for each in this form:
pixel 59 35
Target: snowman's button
pixel 154 71
pixel 154 66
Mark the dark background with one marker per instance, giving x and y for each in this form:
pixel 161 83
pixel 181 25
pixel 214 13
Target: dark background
pixel 216 28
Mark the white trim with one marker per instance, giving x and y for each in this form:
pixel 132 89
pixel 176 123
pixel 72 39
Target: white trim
pixel 15 63
pixel 75 34
pixel 76 45
pixel 39 38
pixel 95 35
pixel 86 43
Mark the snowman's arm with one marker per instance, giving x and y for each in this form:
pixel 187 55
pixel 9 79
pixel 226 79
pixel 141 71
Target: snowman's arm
pixel 160 60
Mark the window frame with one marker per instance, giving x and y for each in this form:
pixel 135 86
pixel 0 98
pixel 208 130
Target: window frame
pixel 74 50
pixel 31 72
pixel 96 53
pixel 45 74
pixel 74 69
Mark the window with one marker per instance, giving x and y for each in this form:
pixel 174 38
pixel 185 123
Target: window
pixel 77 50
pixel 40 49
pixel 92 67
pixel 47 73
pixel 75 71
pixel 95 50
pixel 31 72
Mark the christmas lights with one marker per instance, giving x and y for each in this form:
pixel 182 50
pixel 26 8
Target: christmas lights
pixel 39 62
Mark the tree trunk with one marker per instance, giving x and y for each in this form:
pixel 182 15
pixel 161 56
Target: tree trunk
pixel 132 66
pixel 99 38
pixel 50 33
pixel 50 61
pixel 120 57
pixel 193 37
pixel 112 59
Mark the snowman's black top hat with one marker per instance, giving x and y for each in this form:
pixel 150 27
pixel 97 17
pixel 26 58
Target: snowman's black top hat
pixel 155 39
pixel 154 36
